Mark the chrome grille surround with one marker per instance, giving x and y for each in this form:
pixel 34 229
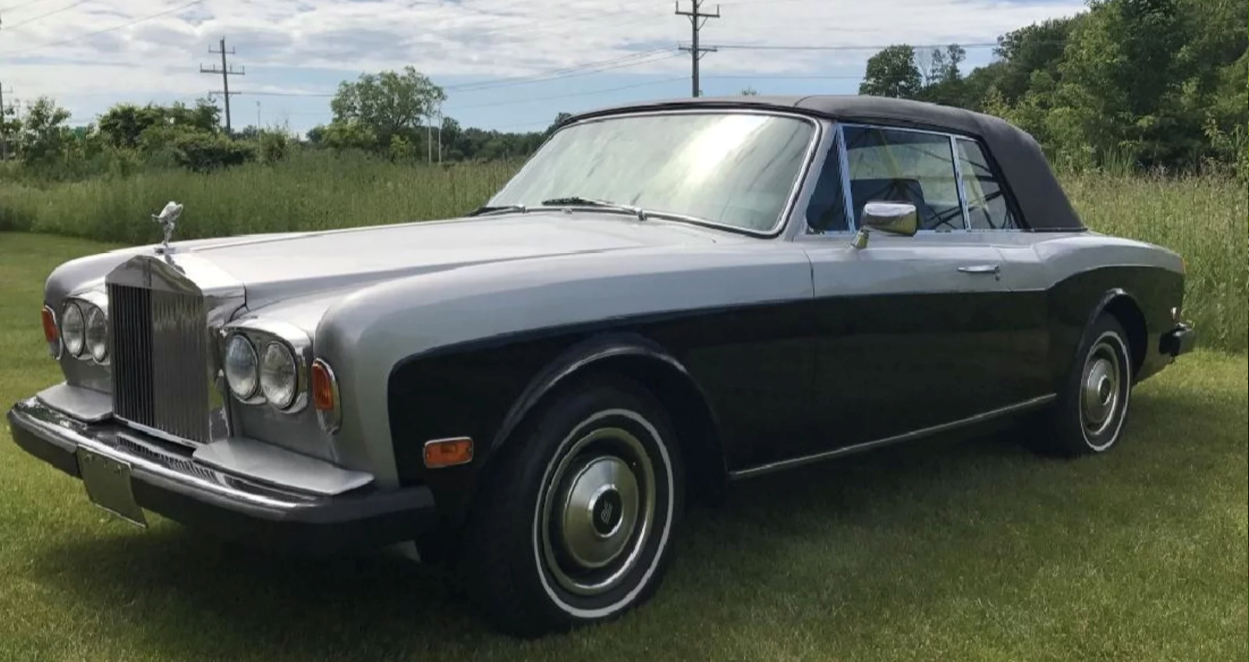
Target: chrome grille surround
pixel 162 326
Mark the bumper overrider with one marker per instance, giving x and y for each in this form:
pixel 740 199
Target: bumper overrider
pixel 1179 340
pixel 126 472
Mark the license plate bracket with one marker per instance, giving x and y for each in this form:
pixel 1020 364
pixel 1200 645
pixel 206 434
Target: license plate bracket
pixel 108 485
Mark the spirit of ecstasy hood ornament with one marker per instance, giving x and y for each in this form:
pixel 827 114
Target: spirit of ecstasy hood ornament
pixel 168 219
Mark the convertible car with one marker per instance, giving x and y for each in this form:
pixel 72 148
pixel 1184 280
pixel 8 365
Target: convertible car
pixel 666 298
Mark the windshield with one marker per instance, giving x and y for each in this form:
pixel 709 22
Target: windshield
pixel 737 169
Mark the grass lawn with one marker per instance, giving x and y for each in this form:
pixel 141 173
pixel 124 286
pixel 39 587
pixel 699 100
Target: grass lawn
pixel 969 551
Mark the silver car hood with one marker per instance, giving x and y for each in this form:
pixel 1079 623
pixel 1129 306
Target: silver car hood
pixel 280 267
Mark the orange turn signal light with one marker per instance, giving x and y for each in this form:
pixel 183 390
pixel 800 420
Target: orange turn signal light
pixel 50 332
pixel 448 452
pixel 323 386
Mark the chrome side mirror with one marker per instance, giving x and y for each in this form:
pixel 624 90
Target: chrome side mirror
pixel 898 218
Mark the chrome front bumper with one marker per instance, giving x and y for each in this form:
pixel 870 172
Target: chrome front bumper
pixel 167 479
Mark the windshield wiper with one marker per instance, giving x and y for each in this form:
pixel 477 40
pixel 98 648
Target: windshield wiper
pixel 501 209
pixel 578 201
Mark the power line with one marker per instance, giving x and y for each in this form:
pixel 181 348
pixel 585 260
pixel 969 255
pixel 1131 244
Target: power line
pixel 782 77
pixel 566 96
pixel 226 71
pixel 566 20
pixel 47 14
pixel 528 99
pixel 771 47
pixel 523 124
pixel 19 5
pixel 115 27
pixel 621 62
pixel 286 94
pixel 586 69
pixel 696 26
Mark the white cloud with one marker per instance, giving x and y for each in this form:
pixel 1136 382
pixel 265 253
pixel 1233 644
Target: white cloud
pixel 467 37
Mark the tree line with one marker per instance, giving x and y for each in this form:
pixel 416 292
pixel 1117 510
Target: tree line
pixel 388 114
pixel 1153 84
pixel 1146 84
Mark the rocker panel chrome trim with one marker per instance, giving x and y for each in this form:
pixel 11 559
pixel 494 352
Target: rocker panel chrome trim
pixel 796 462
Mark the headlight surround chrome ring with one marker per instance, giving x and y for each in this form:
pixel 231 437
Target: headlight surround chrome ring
pixel 279 375
pixel 73 328
pixel 97 334
pixel 241 366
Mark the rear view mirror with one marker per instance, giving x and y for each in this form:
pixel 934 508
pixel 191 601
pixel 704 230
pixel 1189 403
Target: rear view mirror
pixel 898 218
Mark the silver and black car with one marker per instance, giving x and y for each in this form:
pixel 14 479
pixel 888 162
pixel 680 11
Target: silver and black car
pixel 667 297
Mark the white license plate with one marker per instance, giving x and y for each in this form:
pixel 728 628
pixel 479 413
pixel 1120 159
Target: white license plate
pixel 108 485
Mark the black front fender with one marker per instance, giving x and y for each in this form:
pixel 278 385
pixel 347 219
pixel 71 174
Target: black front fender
pixel 485 390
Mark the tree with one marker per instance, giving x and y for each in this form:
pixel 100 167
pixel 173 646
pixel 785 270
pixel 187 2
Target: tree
pixel 1122 80
pixel 892 73
pixel 388 103
pixel 123 125
pixel 750 92
pixel 559 119
pixel 43 132
pixel 1023 52
pixel 401 149
pixel 943 80
pixel 346 135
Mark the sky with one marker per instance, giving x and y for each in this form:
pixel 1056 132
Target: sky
pixel 505 64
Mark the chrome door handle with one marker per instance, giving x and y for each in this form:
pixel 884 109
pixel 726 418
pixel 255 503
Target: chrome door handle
pixel 994 269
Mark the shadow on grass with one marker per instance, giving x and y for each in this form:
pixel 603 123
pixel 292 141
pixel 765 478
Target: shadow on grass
pixel 174 590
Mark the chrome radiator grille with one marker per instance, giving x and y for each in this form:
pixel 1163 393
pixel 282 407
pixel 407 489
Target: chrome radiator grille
pixel 159 349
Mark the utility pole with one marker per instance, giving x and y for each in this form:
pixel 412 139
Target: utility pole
pixel 4 126
pixel 698 19
pixel 226 71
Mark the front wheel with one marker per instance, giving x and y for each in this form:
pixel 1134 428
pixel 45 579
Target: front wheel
pixel 577 519
pixel 1088 417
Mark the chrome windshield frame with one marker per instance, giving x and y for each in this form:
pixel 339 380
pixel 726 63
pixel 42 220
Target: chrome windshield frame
pixel 795 190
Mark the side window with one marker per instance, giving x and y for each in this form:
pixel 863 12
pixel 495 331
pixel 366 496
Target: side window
pixel 987 207
pixel 826 212
pixel 895 165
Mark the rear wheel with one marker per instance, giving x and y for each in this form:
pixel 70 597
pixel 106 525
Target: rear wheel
pixel 1090 412
pixel 576 522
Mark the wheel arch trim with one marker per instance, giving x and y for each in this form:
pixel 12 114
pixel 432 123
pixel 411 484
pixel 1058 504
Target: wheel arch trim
pixel 1113 299
pixel 594 352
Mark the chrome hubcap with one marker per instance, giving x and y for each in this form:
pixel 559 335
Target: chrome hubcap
pixel 598 511
pixel 1100 395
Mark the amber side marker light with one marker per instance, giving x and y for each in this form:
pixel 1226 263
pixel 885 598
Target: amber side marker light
pixel 325 400
pixel 441 453
pixel 50 332
pixel 322 386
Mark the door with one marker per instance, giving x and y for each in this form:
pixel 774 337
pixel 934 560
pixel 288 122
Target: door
pixel 914 332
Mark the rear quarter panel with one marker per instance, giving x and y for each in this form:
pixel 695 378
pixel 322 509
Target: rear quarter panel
pixel 1075 274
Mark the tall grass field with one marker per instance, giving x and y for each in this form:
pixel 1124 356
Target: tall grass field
pixel 1205 219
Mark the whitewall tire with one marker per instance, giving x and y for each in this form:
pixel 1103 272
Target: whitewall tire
pixel 1089 415
pixel 577 518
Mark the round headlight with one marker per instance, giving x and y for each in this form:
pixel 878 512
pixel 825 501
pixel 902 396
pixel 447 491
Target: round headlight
pixel 97 334
pixel 278 377
pixel 73 332
pixel 241 367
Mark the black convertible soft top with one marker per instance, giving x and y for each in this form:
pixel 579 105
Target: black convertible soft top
pixel 1042 201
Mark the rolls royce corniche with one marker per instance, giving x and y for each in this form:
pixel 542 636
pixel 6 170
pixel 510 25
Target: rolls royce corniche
pixel 667 297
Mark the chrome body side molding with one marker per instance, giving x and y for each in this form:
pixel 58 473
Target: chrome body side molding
pixel 796 462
